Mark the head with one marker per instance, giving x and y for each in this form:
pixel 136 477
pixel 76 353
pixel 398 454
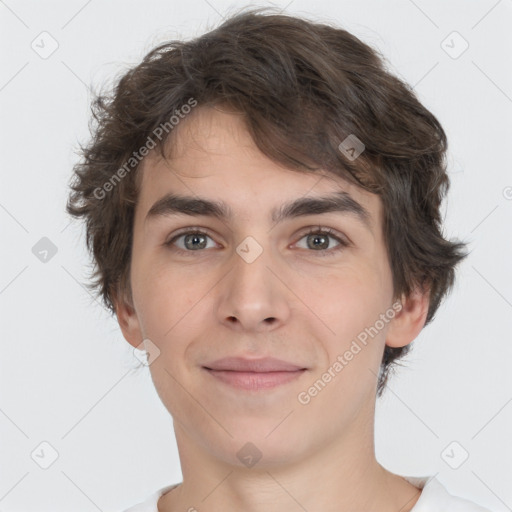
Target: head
pixel 262 111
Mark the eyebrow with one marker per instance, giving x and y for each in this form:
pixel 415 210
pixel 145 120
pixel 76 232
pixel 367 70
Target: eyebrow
pixel 340 202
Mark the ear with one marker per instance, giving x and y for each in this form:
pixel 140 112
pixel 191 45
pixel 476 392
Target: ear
pixel 408 322
pixel 128 320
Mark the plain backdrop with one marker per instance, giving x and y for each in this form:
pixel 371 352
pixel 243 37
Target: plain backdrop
pixel 71 397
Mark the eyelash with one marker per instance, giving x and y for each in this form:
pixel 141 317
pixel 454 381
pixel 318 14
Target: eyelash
pixel 318 230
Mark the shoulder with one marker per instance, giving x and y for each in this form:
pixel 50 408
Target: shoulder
pixel 150 503
pixel 435 498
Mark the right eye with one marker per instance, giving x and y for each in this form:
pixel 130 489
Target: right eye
pixel 192 240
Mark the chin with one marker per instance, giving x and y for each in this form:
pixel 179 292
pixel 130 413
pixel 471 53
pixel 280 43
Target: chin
pixel 257 446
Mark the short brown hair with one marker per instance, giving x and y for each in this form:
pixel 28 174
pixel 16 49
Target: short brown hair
pixel 303 87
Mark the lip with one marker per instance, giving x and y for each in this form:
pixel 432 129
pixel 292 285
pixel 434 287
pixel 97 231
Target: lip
pixel 262 365
pixel 254 374
pixel 255 381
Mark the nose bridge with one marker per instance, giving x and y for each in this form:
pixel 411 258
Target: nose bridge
pixel 251 261
pixel 251 294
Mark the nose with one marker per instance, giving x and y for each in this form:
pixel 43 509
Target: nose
pixel 252 296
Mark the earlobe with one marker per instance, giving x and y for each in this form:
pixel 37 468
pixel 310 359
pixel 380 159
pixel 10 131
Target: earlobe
pixel 408 322
pixel 128 321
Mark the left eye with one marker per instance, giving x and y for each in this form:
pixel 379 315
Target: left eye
pixel 318 239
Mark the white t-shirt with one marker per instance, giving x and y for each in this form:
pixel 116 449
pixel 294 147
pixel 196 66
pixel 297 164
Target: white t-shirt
pixel 434 498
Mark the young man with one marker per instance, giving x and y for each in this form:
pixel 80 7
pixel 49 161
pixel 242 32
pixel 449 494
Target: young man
pixel 262 204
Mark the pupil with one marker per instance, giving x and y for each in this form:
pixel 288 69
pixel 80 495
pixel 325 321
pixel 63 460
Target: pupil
pixel 320 237
pixel 193 239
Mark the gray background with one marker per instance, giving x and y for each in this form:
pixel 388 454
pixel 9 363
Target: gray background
pixel 68 378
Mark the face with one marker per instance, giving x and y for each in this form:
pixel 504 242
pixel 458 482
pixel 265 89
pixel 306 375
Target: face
pixel 254 285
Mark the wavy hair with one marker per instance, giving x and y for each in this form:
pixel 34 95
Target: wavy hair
pixel 303 87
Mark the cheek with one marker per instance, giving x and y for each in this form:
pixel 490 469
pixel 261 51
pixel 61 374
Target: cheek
pixel 176 315
pixel 350 304
pixel 166 307
pixel 164 294
pixel 346 294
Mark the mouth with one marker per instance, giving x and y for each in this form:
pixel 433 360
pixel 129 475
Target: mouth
pixel 254 381
pixel 254 374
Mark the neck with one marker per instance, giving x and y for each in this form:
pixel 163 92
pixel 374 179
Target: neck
pixel 343 476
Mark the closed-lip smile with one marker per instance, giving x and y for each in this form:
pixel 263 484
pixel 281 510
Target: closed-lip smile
pixel 254 374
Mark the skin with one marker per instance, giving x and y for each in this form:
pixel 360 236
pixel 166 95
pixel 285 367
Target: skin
pixel 210 303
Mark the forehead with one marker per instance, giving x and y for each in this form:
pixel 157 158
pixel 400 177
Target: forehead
pixel 211 155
